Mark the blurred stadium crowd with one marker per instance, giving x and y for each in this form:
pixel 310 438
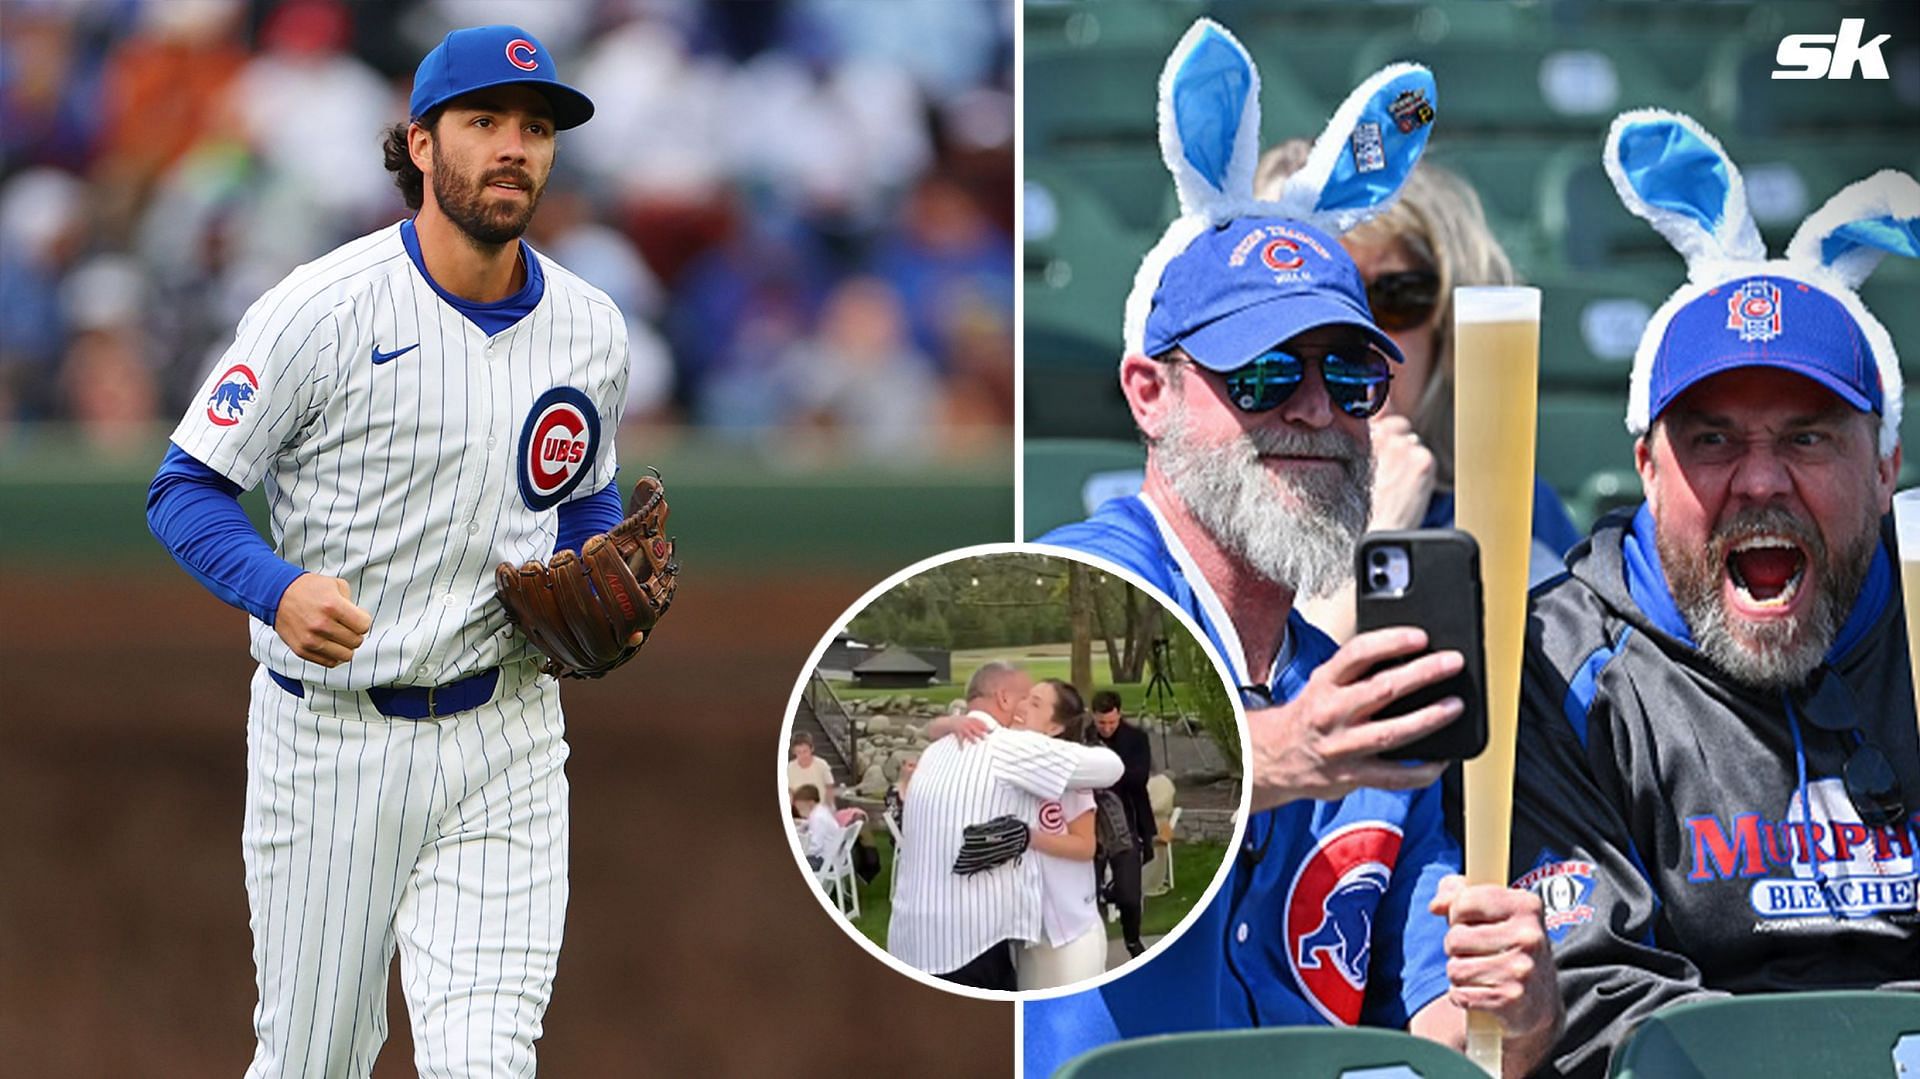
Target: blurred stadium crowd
pixel 804 207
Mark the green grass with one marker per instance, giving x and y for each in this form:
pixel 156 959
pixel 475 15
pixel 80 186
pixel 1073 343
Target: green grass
pixel 1194 867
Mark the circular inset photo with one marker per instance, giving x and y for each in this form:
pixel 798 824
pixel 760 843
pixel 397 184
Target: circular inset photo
pixel 1013 773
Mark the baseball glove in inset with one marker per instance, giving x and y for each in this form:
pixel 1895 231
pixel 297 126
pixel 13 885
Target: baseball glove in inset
pixel 582 610
pixel 995 843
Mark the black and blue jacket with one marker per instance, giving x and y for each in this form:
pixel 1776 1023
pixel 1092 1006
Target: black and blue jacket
pixel 1691 837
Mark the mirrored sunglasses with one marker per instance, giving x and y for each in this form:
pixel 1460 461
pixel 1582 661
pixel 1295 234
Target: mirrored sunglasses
pixel 1356 380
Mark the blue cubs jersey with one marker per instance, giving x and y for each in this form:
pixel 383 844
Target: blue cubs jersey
pixel 1323 917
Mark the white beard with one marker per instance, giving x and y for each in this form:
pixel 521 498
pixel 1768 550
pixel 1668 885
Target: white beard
pixel 1297 531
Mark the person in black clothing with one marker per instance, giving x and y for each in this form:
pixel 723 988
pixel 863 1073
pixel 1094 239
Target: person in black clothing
pixel 1136 754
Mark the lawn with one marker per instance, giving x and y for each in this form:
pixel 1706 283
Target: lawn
pixel 1041 661
pixel 1194 866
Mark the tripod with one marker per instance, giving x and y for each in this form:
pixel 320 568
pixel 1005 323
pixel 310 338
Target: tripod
pixel 1160 692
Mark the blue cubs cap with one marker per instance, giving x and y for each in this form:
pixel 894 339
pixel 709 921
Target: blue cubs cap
pixel 483 56
pixel 1766 321
pixel 1242 287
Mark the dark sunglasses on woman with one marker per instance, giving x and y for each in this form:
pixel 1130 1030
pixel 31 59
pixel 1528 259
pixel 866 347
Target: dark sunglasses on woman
pixel 1404 299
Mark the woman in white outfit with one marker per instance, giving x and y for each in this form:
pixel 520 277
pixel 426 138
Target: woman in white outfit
pixel 1075 947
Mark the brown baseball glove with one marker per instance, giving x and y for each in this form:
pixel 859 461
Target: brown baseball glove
pixel 591 612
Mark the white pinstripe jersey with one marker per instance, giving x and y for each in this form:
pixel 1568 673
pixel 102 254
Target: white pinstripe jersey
pixel 941 920
pixel 410 478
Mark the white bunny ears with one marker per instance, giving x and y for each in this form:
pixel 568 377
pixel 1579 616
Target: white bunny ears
pixel 1210 139
pixel 1671 172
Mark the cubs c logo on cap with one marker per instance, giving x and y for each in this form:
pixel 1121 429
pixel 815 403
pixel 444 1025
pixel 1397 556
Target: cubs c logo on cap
pixel 1282 254
pixel 1754 310
pixel 557 446
pixel 228 401
pixel 520 53
pixel 1330 910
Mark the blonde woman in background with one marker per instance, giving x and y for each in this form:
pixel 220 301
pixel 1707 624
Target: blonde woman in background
pixel 1412 257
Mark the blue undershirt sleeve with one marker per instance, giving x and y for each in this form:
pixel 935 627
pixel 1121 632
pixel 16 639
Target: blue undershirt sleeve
pixel 195 512
pixel 1409 967
pixel 585 518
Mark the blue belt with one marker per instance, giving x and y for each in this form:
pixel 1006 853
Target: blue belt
pixel 417 702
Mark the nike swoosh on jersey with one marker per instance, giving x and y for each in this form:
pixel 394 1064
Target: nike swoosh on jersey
pixel 383 357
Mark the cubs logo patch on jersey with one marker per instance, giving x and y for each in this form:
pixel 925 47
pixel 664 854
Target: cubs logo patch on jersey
pixel 1053 818
pixel 1565 888
pixel 557 446
pixel 228 401
pixel 1330 910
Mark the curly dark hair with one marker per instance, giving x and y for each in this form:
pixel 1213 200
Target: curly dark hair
pixel 406 175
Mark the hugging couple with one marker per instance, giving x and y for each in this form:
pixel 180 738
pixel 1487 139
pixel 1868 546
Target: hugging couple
pixel 996 884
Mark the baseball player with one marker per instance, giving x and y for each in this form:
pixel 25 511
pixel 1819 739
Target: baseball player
pixel 422 404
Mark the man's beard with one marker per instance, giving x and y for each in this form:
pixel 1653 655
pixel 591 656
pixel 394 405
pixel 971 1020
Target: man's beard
pixel 464 202
pixel 1295 529
pixel 1776 654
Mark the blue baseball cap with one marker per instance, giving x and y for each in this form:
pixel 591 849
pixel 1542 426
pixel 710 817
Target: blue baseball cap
pixel 1244 286
pixel 1766 321
pixel 483 56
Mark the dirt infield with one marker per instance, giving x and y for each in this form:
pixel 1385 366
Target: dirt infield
pixel 693 946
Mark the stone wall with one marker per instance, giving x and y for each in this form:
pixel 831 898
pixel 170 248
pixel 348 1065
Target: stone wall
pixel 1205 826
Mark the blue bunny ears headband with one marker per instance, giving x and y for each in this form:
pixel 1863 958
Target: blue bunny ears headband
pixel 1210 140
pixel 1671 172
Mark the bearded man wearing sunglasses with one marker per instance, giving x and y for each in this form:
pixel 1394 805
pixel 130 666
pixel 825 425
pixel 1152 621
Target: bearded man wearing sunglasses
pixel 1718 766
pixel 1260 368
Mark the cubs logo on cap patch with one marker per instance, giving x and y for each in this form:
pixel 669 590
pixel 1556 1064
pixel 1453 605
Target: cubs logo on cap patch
pixel 557 446
pixel 1330 909
pixel 1754 310
pixel 520 53
pixel 228 401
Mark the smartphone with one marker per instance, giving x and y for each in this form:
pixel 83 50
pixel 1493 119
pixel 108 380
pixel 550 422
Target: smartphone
pixel 1429 578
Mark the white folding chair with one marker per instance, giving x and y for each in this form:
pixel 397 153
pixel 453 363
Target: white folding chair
pixel 893 829
pixel 1161 868
pixel 836 873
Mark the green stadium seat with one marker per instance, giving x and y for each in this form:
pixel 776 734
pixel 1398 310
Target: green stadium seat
pixel 1066 479
pixel 1591 324
pixel 1784 1035
pixel 1132 185
pixel 1274 1053
pixel 1567 83
pixel 1790 177
pixel 1583 218
pixel 1505 173
pixel 1580 434
pixel 1090 24
pixel 1092 99
pixel 1891 296
pixel 1601 493
pixel 1740 73
pixel 1078 267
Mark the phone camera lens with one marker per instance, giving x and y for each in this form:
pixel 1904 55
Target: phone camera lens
pixel 1379 578
pixel 1378 558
